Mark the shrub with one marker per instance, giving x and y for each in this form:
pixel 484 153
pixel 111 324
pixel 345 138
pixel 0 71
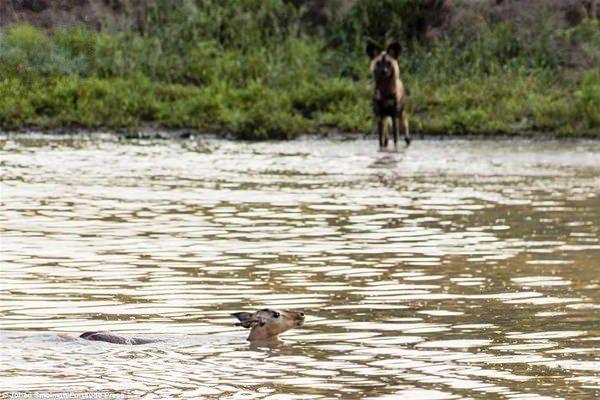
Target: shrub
pixel 587 99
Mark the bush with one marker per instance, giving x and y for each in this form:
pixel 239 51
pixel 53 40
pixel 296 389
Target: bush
pixel 587 99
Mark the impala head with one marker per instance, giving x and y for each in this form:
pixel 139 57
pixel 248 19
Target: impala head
pixel 268 323
pixel 384 64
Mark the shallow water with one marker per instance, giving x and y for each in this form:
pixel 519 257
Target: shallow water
pixel 453 269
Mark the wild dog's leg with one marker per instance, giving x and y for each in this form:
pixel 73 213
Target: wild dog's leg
pixel 405 128
pixel 395 130
pixel 386 128
pixel 381 131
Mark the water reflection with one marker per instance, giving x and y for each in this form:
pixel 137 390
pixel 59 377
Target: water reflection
pixel 455 269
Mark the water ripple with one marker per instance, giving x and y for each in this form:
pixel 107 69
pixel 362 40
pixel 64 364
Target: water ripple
pixel 456 269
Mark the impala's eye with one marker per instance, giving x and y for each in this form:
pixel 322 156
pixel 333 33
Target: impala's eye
pixel 276 314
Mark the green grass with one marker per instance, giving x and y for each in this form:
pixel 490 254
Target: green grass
pixel 250 68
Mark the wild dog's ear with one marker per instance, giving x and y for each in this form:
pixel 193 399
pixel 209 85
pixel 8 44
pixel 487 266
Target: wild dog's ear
pixel 373 50
pixel 244 318
pixel 394 49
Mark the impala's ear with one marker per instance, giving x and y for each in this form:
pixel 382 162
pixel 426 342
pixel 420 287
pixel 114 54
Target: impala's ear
pixel 373 50
pixel 394 49
pixel 244 318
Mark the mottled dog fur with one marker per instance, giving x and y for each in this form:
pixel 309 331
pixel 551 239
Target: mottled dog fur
pixel 389 98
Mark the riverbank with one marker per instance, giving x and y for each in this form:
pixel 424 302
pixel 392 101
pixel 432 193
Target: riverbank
pixel 255 71
pixel 495 105
pixel 152 133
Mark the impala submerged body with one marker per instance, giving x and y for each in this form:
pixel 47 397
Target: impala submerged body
pixel 264 324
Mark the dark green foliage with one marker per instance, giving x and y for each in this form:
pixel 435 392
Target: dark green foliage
pixel 250 68
pixel 383 20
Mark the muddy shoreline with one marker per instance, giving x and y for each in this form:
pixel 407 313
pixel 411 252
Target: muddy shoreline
pixel 187 133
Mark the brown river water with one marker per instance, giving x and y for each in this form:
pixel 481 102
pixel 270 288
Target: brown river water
pixel 453 269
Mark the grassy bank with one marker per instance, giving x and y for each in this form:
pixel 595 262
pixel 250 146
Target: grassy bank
pixel 254 69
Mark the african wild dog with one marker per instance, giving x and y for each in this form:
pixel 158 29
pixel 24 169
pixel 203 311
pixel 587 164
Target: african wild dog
pixel 389 98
